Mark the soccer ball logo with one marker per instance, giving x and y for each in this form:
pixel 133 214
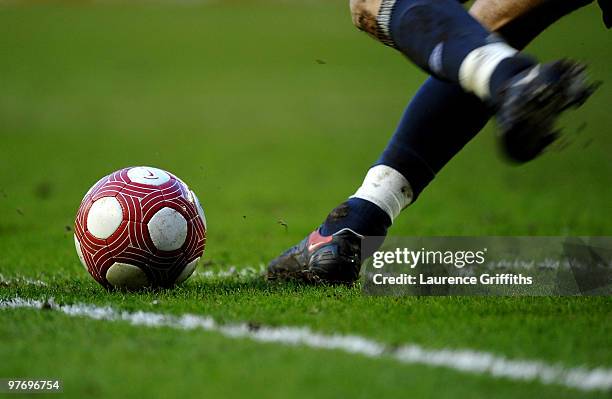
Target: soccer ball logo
pixel 140 227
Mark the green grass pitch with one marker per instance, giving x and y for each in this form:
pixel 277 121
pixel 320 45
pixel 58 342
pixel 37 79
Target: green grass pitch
pixel 272 112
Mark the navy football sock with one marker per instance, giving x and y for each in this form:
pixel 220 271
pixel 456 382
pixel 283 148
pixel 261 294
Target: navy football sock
pixel 359 215
pixel 438 122
pixel 442 38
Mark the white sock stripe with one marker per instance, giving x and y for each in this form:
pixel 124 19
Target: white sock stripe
pixel 478 66
pixel 383 19
pixel 387 188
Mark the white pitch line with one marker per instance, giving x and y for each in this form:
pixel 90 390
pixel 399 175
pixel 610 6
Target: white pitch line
pixel 464 360
pixel 232 271
pixel 21 280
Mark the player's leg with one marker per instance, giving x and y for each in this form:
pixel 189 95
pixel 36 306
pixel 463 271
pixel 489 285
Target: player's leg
pixel 419 155
pixel 443 39
pixel 423 143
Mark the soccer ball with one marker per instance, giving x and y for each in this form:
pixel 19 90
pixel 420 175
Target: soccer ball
pixel 140 227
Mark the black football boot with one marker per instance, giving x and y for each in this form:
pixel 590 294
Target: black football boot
pixel 532 101
pixel 320 259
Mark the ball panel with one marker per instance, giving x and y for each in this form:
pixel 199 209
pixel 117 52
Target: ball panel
pixel 187 271
pixel 184 189
pixel 94 188
pixel 132 206
pixel 168 229
pixel 189 195
pixel 148 175
pixel 123 275
pixel 104 217
pixel 77 245
pixel 199 208
pixel 108 189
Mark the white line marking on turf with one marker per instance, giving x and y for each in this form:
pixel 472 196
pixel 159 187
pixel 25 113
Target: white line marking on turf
pixel 231 271
pixel 475 362
pixel 20 280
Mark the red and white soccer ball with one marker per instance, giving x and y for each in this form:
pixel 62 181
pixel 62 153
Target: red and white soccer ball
pixel 140 227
